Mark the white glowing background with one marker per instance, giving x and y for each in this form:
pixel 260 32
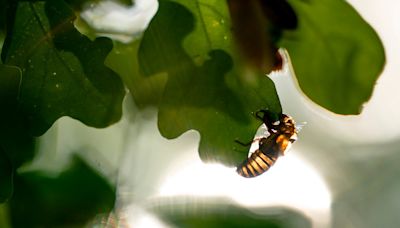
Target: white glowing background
pixel 290 182
pixel 119 22
pixel 139 218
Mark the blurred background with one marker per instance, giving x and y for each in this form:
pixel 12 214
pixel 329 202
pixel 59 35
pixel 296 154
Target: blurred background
pixel 342 172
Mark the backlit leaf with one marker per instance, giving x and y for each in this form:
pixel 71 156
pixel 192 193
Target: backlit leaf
pixel 337 57
pixel 208 88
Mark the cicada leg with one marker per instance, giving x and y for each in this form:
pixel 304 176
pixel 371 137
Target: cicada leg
pixel 249 143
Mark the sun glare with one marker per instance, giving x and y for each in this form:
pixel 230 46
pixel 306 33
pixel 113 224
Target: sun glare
pixel 139 218
pixel 291 182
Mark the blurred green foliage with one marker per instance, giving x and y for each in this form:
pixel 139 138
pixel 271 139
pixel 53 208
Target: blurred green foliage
pixel 69 199
pixel 15 139
pixel 16 145
pixel 82 4
pixel 215 213
pixel 6 175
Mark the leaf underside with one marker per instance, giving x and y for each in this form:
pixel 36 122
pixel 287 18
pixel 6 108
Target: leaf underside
pixel 336 56
pixel 207 88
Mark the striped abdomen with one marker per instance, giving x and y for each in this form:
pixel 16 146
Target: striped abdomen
pixel 256 164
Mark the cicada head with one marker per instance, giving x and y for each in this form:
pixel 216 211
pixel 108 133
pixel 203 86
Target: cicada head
pixel 286 125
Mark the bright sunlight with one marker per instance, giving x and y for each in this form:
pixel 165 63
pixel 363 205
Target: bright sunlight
pixel 291 182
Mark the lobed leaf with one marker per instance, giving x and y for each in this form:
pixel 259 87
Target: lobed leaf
pixel 63 72
pixel 337 57
pixel 207 87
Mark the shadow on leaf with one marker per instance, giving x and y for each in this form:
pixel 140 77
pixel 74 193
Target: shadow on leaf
pixel 206 88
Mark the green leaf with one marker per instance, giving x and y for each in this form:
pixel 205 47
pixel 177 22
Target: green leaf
pixel 147 91
pixel 4 216
pixel 206 213
pixel 126 2
pixel 69 200
pixel 3 13
pixel 63 72
pixel 17 144
pixel 207 88
pixel 6 8
pixel 6 176
pixel 337 57
pixel 79 4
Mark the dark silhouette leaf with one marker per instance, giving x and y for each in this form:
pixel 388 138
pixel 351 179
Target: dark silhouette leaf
pixel 3 16
pixel 14 138
pixel 250 26
pixel 280 13
pixel 16 145
pixel 69 200
pixel 62 71
pixel 79 4
pixel 6 177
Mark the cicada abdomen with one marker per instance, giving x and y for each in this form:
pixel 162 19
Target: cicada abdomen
pixel 282 134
